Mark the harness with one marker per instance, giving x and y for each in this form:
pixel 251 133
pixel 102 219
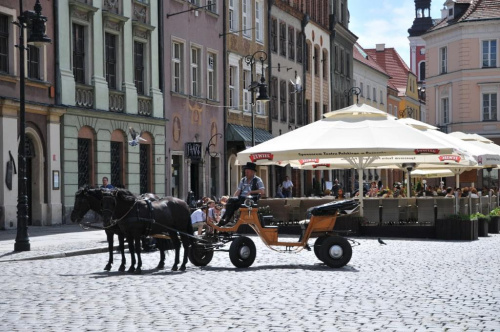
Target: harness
pixel 150 220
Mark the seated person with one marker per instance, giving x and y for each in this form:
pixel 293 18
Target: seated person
pixel 198 218
pixel 251 184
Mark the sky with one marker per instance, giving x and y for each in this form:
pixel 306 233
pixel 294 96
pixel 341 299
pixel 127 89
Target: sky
pixel 386 22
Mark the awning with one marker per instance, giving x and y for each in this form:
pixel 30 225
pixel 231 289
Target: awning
pixel 237 133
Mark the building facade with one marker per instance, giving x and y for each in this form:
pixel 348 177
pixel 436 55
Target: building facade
pixel 109 74
pixel 286 106
pixel 462 73
pixel 43 121
pixel 245 36
pixel 193 78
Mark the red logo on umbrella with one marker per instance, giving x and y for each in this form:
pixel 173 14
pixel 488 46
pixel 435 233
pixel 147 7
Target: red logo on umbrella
pixel 450 158
pixel 261 156
pixel 426 151
pixel 321 165
pixel 308 161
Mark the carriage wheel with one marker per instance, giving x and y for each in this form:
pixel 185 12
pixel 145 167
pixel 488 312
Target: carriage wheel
pixel 317 245
pixel 199 255
pixel 242 252
pixel 335 251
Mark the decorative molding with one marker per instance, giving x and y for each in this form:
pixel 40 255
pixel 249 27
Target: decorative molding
pixel 81 15
pixel 112 6
pixel 140 13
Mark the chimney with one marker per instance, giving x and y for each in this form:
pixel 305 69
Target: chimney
pixel 380 47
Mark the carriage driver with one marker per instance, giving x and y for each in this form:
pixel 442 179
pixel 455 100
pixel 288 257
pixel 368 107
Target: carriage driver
pixel 251 184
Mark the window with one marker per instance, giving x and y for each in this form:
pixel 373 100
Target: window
pixel 316 61
pixel 283 101
pixel 110 51
pixel 246 92
pixel 347 66
pixel 213 5
pixel 361 89
pixel 211 77
pixel 195 71
pixel 177 56
pixel 374 94
pixel 443 59
pixel 422 71
pixel 291 43
pixel 33 62
pixel 445 110
pixel 259 26
pixel 299 47
pixel 291 104
pixel 368 92
pixel 139 67
pixel 274 98
pixel 381 97
pixel 195 2
pixel 246 18
pixel 300 115
pixel 308 57
pixel 489 53
pixel 336 54
pixel 4 44
pixel 232 87
pixel 233 15
pixel 342 61
pixel 489 106
pixel 283 39
pixel 325 65
pixel 79 53
pixel 274 35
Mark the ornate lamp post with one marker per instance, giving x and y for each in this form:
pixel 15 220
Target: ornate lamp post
pixel 352 91
pixel 34 21
pixel 262 86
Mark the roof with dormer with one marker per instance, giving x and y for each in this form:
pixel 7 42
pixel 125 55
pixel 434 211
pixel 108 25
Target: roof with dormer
pixel 360 55
pixel 477 10
pixel 393 65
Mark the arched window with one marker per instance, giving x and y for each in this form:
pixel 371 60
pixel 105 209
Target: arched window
pixel 86 157
pixel 421 71
pixel 118 162
pixel 146 164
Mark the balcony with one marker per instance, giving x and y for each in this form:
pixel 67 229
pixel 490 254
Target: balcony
pixel 116 101
pixel 84 96
pixel 144 106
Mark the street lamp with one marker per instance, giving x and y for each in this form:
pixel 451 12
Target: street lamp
pixel 353 91
pixel 34 21
pixel 254 85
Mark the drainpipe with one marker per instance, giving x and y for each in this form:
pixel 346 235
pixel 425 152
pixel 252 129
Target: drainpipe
pixel 57 78
pixel 224 95
pixel 270 3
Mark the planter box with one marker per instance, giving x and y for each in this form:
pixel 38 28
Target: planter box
pixel 494 226
pixel 483 227
pixel 453 229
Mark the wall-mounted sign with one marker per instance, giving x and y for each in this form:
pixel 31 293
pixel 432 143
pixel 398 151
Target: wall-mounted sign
pixel 193 151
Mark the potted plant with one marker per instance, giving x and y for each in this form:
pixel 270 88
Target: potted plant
pixel 494 225
pixel 482 223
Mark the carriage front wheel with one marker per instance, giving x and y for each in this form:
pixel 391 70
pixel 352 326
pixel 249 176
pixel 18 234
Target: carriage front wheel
pixel 335 251
pixel 242 252
pixel 199 255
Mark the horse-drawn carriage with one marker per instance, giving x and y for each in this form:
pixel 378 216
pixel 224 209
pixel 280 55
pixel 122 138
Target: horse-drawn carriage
pixel 131 217
pixel 329 247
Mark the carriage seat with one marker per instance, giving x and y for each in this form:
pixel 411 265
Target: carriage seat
pixel 330 209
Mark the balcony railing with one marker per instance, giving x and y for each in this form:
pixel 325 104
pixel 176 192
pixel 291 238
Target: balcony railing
pixel 84 95
pixel 116 101
pixel 144 105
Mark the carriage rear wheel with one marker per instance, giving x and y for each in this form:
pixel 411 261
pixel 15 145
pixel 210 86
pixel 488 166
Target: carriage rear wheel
pixel 317 245
pixel 199 255
pixel 335 251
pixel 242 252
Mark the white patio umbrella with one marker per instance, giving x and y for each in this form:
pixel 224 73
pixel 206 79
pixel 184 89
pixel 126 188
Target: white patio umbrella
pixel 357 135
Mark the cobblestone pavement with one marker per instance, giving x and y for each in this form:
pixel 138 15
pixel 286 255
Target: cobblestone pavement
pixel 406 285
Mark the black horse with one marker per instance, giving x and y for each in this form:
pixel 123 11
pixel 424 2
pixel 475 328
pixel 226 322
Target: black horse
pixel 92 199
pixel 102 201
pixel 137 217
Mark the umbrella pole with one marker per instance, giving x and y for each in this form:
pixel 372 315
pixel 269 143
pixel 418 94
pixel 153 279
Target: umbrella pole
pixel 360 191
